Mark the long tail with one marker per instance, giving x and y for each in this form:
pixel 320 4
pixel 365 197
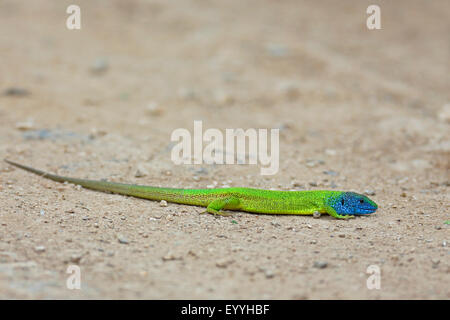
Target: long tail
pixel 146 192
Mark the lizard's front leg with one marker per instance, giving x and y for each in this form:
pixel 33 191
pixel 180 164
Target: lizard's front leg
pixel 333 213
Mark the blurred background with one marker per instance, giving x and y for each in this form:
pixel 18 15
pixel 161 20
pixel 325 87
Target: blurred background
pixel 314 68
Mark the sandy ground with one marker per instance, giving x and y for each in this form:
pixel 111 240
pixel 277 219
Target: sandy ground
pixel 357 110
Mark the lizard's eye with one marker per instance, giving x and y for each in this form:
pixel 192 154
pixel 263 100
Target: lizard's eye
pixel 361 201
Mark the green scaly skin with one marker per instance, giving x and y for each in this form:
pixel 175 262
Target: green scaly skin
pixel 215 200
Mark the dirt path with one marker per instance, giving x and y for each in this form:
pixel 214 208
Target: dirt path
pixel 358 110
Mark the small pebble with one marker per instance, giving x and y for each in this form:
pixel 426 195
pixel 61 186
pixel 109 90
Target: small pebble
pixel 316 215
pixel 435 262
pixel 140 172
pixel 269 274
pixel 223 263
pixel 39 249
pixel 402 180
pixel 163 203
pixel 16 92
pixel 25 125
pixel 296 184
pixel 314 163
pixel 122 239
pixel 331 172
pixel 369 192
pixel 320 264
pixel 170 257
pixel 75 258
pixel 222 97
pixel 99 66
pixel 95 133
pixel 154 109
pixel 289 89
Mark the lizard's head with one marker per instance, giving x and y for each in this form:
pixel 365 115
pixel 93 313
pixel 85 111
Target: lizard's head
pixel 351 203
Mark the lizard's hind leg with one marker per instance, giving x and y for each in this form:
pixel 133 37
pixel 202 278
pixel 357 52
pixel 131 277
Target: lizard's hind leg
pixel 216 206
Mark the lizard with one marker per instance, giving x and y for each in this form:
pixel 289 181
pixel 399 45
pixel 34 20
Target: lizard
pixel 338 204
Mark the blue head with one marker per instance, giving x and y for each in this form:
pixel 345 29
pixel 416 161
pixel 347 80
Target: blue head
pixel 350 203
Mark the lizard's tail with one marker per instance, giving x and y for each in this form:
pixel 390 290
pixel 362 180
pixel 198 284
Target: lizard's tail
pixel 146 192
pixel 41 173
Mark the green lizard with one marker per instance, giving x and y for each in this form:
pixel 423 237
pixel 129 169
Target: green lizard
pixel 339 204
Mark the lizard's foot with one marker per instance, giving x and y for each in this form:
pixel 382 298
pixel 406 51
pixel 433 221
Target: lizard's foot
pixel 336 215
pixel 346 217
pixel 217 212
